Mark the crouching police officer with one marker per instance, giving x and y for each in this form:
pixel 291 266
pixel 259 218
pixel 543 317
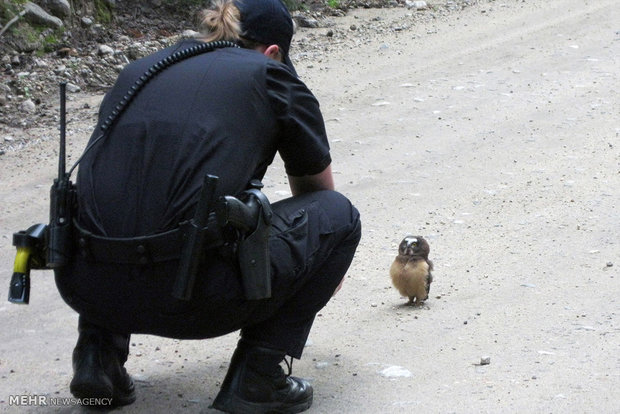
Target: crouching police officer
pixel 171 119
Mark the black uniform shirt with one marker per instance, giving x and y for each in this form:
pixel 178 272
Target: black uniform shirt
pixel 225 112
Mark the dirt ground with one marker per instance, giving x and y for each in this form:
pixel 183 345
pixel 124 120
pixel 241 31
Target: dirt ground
pixel 493 133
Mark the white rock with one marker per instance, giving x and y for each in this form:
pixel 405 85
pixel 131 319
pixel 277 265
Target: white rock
pixel 73 88
pixel 418 5
pixel 105 50
pixel 59 8
pixel 27 106
pixel 396 371
pixel 35 14
pixel 190 34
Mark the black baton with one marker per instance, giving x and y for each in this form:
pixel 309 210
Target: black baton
pixel 193 242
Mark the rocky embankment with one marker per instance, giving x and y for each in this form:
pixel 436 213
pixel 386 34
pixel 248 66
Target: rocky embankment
pixel 89 55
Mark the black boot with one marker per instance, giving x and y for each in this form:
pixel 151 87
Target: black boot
pixel 98 370
pixel 256 383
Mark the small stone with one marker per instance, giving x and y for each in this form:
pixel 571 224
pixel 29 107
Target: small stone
pixel 309 22
pixel 59 70
pixel 485 360
pixel 417 5
pixel 73 88
pixel 105 50
pixel 190 34
pixel 396 371
pixel 27 106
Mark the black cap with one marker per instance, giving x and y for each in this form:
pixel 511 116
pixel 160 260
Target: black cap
pixel 267 22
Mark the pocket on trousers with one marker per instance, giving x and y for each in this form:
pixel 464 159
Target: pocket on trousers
pixel 294 240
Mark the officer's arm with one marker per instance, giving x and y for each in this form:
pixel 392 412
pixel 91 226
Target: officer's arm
pixel 310 183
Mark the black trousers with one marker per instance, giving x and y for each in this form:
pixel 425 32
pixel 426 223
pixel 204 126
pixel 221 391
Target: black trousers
pixel 313 239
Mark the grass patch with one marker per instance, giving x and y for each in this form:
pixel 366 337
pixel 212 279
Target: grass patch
pixel 334 4
pixel 51 41
pixel 103 13
pixel 10 9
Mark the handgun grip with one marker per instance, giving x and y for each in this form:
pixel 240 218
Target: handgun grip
pixel 231 210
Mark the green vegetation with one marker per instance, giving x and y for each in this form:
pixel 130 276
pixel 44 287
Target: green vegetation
pixel 42 39
pixel 103 13
pixel 9 9
pixel 334 4
pixel 293 5
pixel 28 33
pixel 51 41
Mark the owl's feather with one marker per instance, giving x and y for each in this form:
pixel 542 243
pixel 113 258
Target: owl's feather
pixel 411 270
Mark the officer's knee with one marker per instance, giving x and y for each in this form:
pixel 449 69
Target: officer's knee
pixel 343 215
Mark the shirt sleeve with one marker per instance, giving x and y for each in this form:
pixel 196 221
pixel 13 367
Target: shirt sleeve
pixel 302 140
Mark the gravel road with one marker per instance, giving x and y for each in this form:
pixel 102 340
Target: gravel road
pixel 494 133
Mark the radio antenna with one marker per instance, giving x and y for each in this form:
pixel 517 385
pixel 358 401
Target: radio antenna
pixel 63 130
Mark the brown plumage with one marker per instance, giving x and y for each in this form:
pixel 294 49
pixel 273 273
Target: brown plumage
pixel 411 269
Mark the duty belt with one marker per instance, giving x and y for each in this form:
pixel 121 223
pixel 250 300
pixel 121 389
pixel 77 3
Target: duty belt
pixel 142 250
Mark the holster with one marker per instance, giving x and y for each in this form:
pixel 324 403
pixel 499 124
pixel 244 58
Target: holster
pixel 254 259
pixel 252 215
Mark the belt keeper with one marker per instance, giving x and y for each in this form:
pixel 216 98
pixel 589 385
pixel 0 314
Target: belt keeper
pixel 83 246
pixel 143 254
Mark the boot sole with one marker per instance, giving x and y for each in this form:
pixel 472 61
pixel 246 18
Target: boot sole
pixel 236 405
pixel 89 390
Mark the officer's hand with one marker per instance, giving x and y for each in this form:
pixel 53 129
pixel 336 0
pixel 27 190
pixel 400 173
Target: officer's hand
pixel 338 288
